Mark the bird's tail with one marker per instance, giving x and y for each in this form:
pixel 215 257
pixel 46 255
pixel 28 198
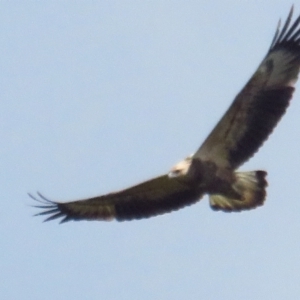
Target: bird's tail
pixel 252 188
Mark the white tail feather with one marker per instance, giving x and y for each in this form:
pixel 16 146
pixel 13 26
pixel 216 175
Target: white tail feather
pixel 250 185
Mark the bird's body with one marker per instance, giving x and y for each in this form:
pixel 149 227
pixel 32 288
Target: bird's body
pixel 212 169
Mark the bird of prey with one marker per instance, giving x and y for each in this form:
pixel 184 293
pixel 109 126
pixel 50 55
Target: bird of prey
pixel 212 169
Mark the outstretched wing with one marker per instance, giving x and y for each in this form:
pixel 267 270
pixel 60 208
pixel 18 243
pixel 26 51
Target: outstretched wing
pixel 151 198
pixel 259 106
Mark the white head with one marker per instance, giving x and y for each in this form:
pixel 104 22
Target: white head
pixel 181 169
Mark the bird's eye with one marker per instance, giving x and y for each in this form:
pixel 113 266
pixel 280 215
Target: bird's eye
pixel 174 173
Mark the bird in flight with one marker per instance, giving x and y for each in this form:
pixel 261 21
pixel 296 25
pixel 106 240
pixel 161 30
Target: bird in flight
pixel 212 169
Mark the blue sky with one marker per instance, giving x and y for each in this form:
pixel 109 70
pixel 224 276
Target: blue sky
pixel 100 95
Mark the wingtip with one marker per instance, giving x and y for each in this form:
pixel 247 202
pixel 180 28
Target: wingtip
pixel 41 199
pixel 49 207
pixel 279 24
pixel 291 12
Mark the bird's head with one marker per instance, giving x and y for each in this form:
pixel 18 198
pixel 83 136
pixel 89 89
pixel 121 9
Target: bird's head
pixel 181 169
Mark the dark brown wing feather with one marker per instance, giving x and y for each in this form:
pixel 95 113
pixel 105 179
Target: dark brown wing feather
pixel 151 198
pixel 259 106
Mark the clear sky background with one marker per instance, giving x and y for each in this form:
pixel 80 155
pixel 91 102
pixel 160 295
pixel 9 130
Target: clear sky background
pixel 100 95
